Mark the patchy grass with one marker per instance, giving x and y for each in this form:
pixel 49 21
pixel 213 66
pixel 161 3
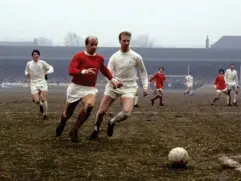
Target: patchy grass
pixel 137 151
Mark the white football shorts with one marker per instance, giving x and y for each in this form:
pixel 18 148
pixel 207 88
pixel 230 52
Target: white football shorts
pixel 231 85
pixel 220 91
pixel 158 92
pixel 189 85
pixel 35 87
pixel 76 92
pixel 127 90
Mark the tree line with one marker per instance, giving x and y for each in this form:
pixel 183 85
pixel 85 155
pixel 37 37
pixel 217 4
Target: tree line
pixel 72 39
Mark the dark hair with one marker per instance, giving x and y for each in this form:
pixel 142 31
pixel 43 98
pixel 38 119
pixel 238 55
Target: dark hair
pixel 127 33
pixel 221 70
pixel 161 68
pixel 35 51
pixel 87 39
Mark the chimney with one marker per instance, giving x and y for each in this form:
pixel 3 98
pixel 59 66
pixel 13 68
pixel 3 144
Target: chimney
pixel 207 42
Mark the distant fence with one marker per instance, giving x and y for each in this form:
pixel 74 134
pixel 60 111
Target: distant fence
pixel 176 85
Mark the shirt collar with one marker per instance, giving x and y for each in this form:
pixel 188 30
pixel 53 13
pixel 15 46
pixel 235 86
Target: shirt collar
pixel 86 53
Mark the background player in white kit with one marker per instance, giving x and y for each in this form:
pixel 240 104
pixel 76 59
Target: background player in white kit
pixel 231 79
pixel 37 70
pixel 189 83
pixel 123 65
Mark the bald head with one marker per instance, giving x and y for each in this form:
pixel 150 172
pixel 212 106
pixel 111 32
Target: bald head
pixel 90 38
pixel 91 43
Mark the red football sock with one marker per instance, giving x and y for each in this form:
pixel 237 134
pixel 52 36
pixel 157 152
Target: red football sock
pixel 160 99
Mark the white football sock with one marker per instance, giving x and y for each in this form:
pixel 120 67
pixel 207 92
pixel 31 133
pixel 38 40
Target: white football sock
pixel 234 98
pixel 135 100
pixel 227 99
pixel 187 90
pixel 45 106
pixel 121 116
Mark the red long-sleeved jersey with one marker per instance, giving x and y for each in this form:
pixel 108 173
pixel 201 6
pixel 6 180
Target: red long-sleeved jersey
pixel 220 82
pixel 159 79
pixel 83 61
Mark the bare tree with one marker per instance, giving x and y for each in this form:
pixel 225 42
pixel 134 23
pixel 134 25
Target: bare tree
pixel 72 39
pixel 142 41
pixel 43 41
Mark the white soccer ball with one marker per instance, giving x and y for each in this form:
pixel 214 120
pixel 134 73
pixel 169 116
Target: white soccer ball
pixel 178 157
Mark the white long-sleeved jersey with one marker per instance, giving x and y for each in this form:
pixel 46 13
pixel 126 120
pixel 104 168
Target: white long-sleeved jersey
pixel 231 77
pixel 123 67
pixel 37 70
pixel 189 79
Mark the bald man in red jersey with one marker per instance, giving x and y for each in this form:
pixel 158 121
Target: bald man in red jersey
pixel 84 68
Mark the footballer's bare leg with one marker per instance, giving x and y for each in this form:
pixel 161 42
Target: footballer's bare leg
pixel 127 106
pixel 36 98
pixel 44 103
pixel 160 97
pixel 37 101
pixel 191 91
pixel 106 102
pixel 218 94
pixel 155 98
pixel 235 95
pixel 229 97
pixel 88 104
pixel 136 100
pixel 68 112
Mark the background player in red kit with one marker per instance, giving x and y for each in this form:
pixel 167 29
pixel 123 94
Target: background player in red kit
pixel 220 86
pixel 83 68
pixel 159 79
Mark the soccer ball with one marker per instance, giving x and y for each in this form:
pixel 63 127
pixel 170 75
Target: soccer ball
pixel 178 157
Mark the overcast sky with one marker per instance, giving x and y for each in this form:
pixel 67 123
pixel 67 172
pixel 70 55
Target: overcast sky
pixel 176 23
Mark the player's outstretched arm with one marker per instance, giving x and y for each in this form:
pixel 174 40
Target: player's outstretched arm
pixel 27 71
pixel 226 76
pixel 152 78
pixel 215 83
pixel 74 66
pixel 143 74
pixel 186 79
pixel 111 64
pixel 236 79
pixel 49 68
pixel 107 73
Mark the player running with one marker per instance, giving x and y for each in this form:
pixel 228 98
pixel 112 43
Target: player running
pixel 231 79
pixel 159 79
pixel 123 64
pixel 37 70
pixel 189 83
pixel 84 68
pixel 220 86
